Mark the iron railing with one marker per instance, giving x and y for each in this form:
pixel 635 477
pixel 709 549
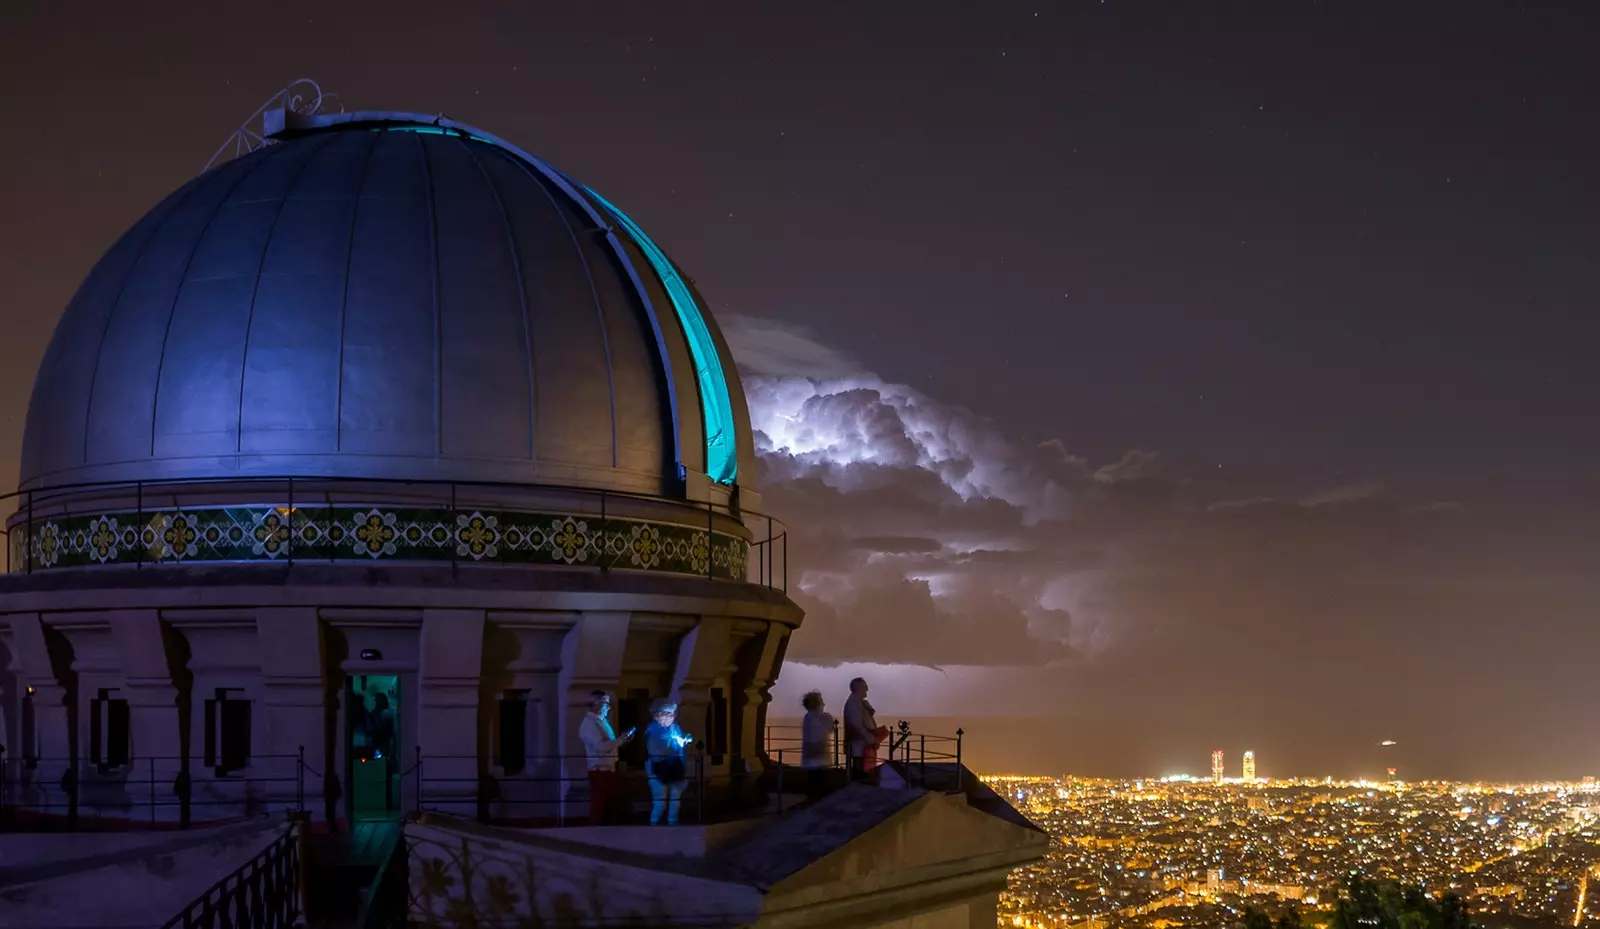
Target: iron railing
pixel 923 759
pixel 789 739
pixel 155 792
pixel 305 499
pixel 547 790
pixel 932 762
pixel 263 893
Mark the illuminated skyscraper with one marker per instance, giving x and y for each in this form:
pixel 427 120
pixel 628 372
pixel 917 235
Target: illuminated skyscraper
pixel 1216 766
pixel 1249 771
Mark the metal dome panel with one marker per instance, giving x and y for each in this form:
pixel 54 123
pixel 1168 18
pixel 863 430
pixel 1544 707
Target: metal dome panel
pixel 385 300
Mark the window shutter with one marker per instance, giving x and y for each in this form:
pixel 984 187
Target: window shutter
pixel 120 733
pixel 235 734
pixel 513 734
pixel 211 734
pixel 97 731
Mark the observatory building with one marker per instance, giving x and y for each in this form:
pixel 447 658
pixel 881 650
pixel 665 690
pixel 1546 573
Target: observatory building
pixel 353 469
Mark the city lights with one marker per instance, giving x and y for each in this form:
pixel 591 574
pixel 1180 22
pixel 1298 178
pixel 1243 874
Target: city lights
pixel 1186 851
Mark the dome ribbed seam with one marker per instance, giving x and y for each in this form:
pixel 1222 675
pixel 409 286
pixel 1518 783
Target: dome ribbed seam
pixel 522 297
pixel 438 325
pixel 183 280
pixel 344 306
pixel 255 289
pixel 111 314
pixel 594 291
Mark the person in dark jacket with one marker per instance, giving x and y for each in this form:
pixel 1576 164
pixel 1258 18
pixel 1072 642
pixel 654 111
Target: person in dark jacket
pixel 665 762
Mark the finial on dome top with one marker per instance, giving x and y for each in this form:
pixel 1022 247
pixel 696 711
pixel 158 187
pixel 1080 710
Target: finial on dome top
pixel 304 97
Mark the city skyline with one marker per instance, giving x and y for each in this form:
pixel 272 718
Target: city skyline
pixel 1143 854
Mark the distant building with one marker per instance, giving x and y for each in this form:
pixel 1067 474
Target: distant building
pixel 1216 766
pixel 1394 775
pixel 1249 770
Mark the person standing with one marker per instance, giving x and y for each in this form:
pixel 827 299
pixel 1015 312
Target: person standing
pixel 600 743
pixel 816 742
pixel 862 731
pixel 665 764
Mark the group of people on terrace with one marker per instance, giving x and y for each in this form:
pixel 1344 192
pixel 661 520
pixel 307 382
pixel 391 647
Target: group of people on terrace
pixel 665 742
pixel 666 763
pixel 862 734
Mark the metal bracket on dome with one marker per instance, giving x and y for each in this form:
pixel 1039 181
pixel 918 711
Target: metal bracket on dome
pixel 303 97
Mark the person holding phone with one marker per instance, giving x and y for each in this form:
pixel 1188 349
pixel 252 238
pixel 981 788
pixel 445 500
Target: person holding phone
pixel 600 743
pixel 668 769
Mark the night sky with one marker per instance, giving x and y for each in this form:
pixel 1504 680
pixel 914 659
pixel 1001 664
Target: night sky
pixel 1133 385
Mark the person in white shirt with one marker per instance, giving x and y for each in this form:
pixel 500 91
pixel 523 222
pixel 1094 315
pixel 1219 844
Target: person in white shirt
pixel 600 743
pixel 816 741
pixel 861 730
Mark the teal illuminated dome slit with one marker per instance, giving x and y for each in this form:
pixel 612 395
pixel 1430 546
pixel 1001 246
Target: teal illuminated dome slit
pixel 722 459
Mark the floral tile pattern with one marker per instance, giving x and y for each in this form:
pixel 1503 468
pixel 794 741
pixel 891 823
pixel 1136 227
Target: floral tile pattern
pixel 373 533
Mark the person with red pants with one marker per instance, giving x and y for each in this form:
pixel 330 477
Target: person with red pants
pixel 600 743
pixel 861 731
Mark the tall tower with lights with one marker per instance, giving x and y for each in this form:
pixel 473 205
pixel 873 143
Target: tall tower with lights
pixel 1216 766
pixel 1249 770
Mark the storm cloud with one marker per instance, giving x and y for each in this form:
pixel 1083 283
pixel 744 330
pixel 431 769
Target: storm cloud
pixel 924 536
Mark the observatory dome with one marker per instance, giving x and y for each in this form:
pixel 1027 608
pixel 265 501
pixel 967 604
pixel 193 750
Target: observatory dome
pixel 386 296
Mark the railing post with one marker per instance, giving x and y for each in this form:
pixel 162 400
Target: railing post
pixel 769 553
pixel 922 763
pixel 289 554
pixel 301 824
pixel 418 799
pixel 72 794
pixel 300 779
pixel 152 790
pixel 960 773
pixel 185 795
pixel 780 780
pixel 604 540
pixel 700 782
pixel 786 562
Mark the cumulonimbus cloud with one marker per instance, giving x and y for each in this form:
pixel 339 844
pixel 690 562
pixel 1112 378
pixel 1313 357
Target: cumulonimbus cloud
pixel 922 534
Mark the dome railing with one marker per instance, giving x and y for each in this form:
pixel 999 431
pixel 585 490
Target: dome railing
pixel 285 519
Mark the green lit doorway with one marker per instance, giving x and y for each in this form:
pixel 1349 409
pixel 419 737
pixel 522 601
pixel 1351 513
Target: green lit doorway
pixel 372 746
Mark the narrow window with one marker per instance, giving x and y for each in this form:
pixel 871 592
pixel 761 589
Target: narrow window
pixel 30 735
pixel 717 738
pixel 227 740
pixel 110 739
pixel 512 745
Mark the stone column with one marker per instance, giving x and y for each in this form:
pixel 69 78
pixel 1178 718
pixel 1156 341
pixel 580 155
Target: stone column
pixel 294 705
pixel 702 660
pixel 591 659
pixel 54 719
pixel 751 709
pixel 10 708
pixel 155 716
pixel 450 668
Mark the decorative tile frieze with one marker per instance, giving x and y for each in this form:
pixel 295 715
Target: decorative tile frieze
pixel 373 533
